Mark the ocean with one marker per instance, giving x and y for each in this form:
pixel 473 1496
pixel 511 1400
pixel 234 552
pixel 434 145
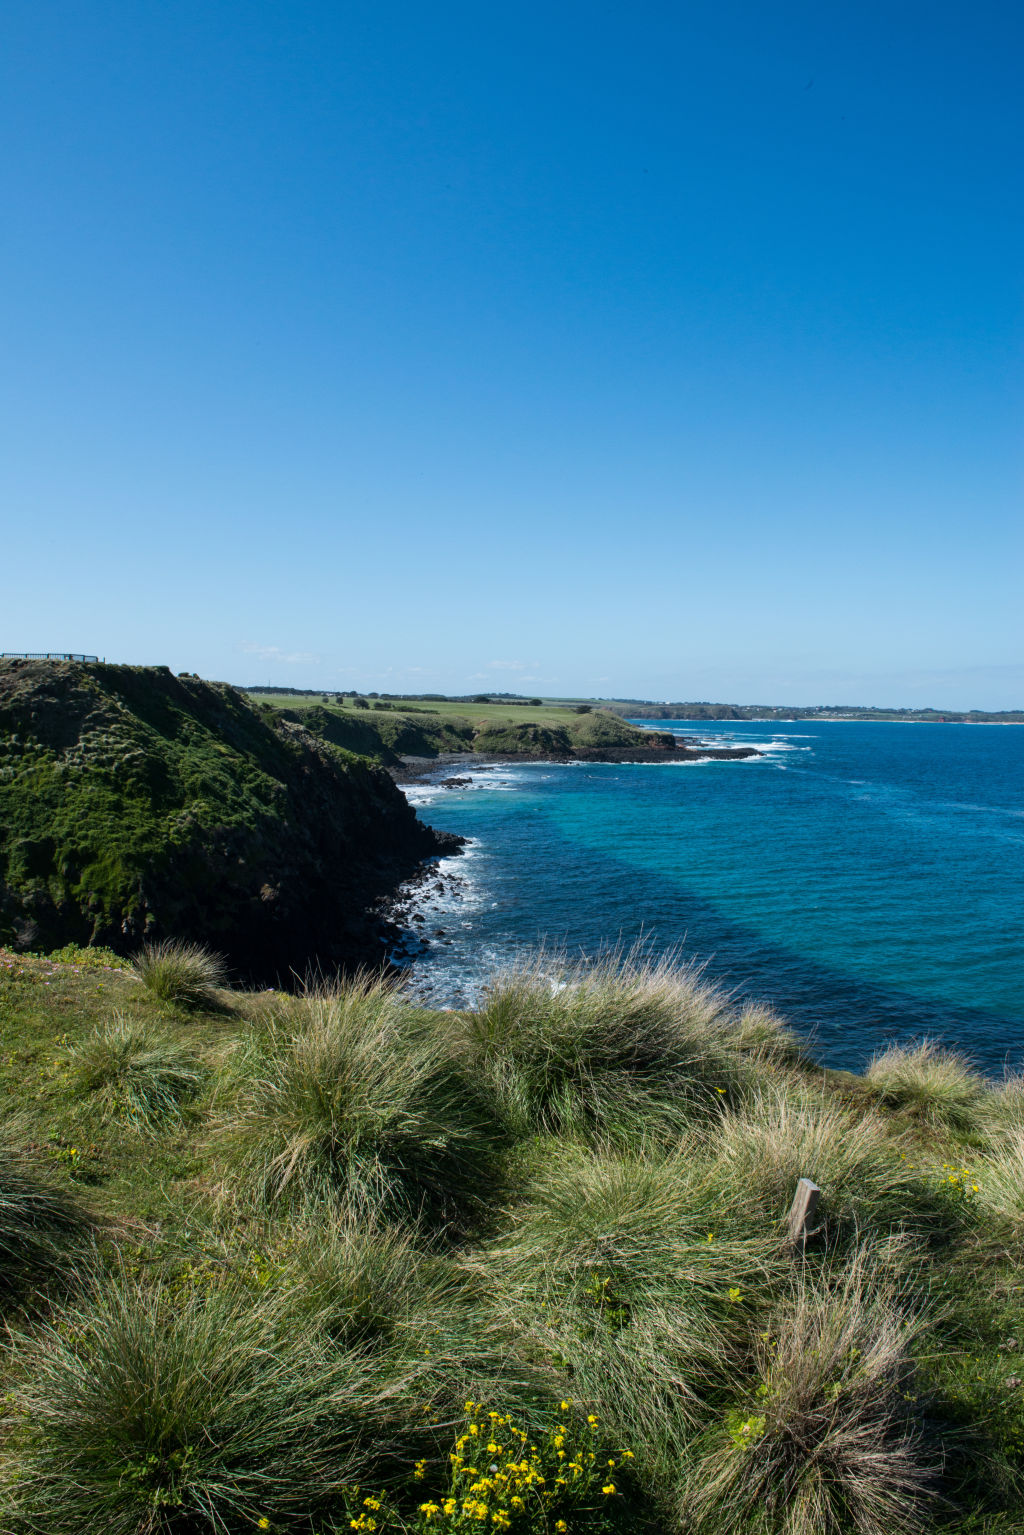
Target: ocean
pixel 865 879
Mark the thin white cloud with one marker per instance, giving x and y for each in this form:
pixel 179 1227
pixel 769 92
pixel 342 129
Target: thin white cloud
pixel 275 653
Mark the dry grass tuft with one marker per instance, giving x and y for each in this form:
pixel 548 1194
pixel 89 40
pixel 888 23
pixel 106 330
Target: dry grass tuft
pixel 929 1083
pixel 999 1177
pixel 823 1444
pixel 183 973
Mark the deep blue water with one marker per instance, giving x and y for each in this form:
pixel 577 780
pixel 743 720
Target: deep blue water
pixel 868 880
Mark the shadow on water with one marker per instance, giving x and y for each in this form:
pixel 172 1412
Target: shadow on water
pixel 597 899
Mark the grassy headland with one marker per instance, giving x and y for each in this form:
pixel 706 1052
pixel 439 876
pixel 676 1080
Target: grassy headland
pixel 333 1262
pixel 135 804
pixel 388 730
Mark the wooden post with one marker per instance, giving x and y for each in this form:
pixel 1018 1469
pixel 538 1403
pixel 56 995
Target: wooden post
pixel 801 1212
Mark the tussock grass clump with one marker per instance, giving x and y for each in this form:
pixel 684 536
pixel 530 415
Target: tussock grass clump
pixel 761 1033
pixel 998 1177
pixel 937 1086
pixel 759 1151
pixel 136 1073
pixel 378 1289
pixel 185 974
pixel 823 1443
pixel 1005 1106
pixel 605 1047
pixel 145 1411
pixel 643 1226
pixel 619 1266
pixel 349 1095
pixel 372 1285
pixel 43 1229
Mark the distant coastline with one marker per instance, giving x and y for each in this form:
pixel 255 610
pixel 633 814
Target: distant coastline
pixel 641 708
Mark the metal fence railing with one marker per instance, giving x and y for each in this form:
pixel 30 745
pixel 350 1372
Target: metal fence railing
pixel 43 655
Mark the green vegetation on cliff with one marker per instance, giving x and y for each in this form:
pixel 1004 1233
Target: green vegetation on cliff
pixel 384 737
pixel 135 804
pixel 333 1262
pixel 386 733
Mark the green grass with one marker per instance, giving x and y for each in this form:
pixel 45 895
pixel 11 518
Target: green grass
pixel 426 708
pixel 134 1071
pixel 257 1258
pixel 43 1225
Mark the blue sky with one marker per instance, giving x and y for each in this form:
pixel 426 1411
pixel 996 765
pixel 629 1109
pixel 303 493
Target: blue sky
pixel 662 350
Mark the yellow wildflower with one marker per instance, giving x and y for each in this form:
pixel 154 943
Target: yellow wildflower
pixel 608 1489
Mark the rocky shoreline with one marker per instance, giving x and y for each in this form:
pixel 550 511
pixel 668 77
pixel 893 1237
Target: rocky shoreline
pixel 412 769
pixel 405 925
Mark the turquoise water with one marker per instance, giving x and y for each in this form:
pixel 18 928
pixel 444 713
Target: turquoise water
pixel 866 879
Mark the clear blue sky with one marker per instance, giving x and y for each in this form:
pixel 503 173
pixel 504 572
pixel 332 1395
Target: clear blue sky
pixel 651 349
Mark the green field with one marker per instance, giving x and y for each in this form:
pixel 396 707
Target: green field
pixel 321 1263
pixel 520 714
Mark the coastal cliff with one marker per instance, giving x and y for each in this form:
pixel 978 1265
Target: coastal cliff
pixel 595 736
pixel 135 804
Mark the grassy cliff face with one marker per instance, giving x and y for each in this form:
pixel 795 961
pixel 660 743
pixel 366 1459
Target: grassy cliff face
pixel 135 804
pixel 385 737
